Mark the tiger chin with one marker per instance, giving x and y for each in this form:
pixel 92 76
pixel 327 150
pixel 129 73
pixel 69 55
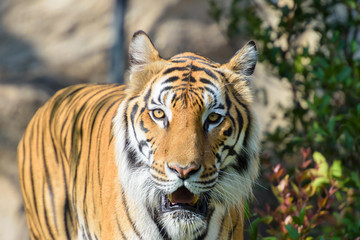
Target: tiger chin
pixel 172 155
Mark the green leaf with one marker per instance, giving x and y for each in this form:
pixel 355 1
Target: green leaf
pixel 293 233
pixel 302 215
pixel 355 178
pixel 253 228
pixel 320 181
pixel 322 164
pixel 322 61
pixel 351 4
pixel 353 46
pixel 336 169
pixel 297 220
pixel 349 141
pixel 331 125
pixel 344 74
pixel 253 231
pixel 319 73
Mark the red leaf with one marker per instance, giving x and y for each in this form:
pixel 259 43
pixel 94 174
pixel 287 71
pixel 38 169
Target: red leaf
pixel 306 163
pixel 305 153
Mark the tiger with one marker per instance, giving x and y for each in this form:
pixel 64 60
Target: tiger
pixel 172 155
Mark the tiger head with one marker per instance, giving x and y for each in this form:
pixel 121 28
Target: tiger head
pixel 186 137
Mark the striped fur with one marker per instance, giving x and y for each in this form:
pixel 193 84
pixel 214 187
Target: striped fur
pixel 111 162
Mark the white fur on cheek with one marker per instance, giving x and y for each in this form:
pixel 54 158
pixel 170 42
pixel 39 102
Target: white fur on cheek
pixel 136 183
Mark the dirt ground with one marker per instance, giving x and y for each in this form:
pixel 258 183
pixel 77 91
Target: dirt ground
pixel 46 45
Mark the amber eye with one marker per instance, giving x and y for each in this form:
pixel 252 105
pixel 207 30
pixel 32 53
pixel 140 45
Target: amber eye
pixel 158 114
pixel 213 118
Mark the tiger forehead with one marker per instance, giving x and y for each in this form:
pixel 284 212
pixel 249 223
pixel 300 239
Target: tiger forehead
pixel 192 69
pixel 192 57
pixel 189 80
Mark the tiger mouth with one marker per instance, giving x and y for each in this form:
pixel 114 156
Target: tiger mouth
pixel 184 201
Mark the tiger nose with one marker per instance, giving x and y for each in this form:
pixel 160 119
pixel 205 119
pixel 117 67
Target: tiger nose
pixel 184 172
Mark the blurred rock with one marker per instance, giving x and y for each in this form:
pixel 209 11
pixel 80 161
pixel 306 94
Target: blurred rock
pixel 65 37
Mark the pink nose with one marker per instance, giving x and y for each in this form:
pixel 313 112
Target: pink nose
pixel 185 172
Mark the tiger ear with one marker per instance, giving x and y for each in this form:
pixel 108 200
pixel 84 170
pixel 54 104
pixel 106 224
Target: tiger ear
pixel 142 50
pixel 145 61
pixel 244 60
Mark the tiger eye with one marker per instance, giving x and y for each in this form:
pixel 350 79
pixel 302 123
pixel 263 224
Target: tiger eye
pixel 213 117
pixel 158 113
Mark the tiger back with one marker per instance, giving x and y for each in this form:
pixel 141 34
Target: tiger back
pixel 173 155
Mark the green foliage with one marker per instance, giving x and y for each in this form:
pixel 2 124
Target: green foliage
pixel 324 79
pixel 305 198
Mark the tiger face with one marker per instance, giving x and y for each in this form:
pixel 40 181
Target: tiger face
pixel 186 139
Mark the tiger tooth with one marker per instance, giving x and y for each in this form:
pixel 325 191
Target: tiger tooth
pixel 170 196
pixel 196 198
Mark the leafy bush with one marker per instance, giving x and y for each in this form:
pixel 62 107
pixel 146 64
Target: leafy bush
pixel 324 77
pixel 305 198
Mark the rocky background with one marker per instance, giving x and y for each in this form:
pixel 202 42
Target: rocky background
pixel 47 45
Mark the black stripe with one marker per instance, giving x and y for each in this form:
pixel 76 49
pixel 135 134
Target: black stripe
pixel 248 115
pixel 75 132
pixel 170 80
pixel 132 159
pixel 132 118
pixel 207 182
pixel 192 79
pixel 169 70
pixel 228 132
pixel 73 101
pixel 133 112
pixel 45 213
pixel 155 216
pixel 48 181
pixel 212 92
pixel 178 61
pixel 228 101
pixel 188 57
pixel 208 64
pixel 218 157
pixel 208 219
pixel 36 215
pixel 206 70
pixel 128 214
pixel 66 211
pixel 147 95
pixel 220 106
pixel 142 144
pixel 32 170
pixel 165 89
pixel 231 233
pixel 221 226
pixel 202 60
pixel 240 123
pixel 221 73
pixel 100 133
pixel 143 127
pixel 205 81
pixel 119 228
pixel 241 162
pixel 33 236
